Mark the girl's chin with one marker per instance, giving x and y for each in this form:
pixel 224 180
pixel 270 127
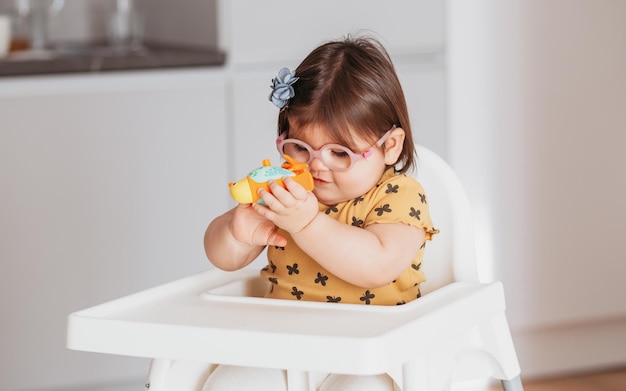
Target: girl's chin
pixel 323 197
pixel 326 198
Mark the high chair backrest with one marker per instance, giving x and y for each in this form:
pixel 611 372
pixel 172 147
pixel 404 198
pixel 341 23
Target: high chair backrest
pixel 450 256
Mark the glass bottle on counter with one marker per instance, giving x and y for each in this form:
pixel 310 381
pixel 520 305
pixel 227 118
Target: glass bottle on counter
pixel 30 23
pixel 125 26
pixel 5 35
pixel 19 27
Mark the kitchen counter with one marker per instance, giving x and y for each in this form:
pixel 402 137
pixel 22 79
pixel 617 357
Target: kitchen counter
pixel 89 59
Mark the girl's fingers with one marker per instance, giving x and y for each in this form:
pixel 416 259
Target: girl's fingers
pixel 269 198
pixel 281 197
pixel 296 189
pixel 278 191
pixel 263 211
pixel 276 239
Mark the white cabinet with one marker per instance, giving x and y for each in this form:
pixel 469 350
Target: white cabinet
pixel 108 183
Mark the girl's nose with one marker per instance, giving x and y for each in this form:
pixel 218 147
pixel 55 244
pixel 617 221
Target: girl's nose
pixel 317 165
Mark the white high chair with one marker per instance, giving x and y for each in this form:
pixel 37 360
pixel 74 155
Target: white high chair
pixel 456 331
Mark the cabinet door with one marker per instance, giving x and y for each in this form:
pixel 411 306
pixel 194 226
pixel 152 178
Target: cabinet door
pixel 108 183
pixel 254 120
pixel 279 30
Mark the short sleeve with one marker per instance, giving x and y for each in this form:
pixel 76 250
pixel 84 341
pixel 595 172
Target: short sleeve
pixel 400 199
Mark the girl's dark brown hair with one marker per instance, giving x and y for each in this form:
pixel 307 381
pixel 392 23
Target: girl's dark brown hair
pixel 347 85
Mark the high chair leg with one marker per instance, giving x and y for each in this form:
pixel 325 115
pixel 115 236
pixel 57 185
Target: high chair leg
pixel 157 374
pixel 498 343
pixel 432 372
pixel 176 375
pixel 297 380
pixel 415 374
pixel 514 384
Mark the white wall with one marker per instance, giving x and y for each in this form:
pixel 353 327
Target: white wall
pixel 537 107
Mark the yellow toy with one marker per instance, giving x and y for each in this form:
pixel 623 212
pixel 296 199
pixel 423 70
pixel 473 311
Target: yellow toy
pixel 246 191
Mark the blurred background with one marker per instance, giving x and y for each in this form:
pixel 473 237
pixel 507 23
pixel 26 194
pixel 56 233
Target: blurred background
pixel 122 121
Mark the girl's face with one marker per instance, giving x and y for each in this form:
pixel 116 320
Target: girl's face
pixel 333 187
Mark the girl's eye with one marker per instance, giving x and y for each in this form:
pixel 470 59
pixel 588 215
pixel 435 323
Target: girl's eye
pixel 340 154
pixel 299 148
pixel 294 149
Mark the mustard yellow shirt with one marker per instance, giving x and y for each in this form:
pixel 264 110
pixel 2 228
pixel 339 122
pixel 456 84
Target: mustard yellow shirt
pixel 397 198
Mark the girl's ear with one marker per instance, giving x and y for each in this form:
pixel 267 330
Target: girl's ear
pixel 393 146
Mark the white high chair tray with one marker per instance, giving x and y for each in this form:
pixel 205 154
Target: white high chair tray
pixel 202 318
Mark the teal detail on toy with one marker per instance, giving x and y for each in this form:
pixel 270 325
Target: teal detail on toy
pixel 246 190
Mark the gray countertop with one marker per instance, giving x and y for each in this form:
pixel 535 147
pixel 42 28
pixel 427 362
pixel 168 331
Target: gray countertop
pixel 81 59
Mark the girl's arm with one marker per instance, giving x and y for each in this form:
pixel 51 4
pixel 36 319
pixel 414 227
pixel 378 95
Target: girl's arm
pixel 237 237
pixel 368 257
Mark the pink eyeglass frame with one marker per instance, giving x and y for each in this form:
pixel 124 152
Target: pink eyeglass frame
pixel 317 153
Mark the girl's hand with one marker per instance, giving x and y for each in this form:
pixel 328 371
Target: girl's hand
pixel 251 229
pixel 291 208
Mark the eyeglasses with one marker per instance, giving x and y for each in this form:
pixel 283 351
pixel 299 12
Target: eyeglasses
pixel 334 156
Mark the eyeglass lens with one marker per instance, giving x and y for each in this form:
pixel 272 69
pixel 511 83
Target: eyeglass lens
pixel 334 157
